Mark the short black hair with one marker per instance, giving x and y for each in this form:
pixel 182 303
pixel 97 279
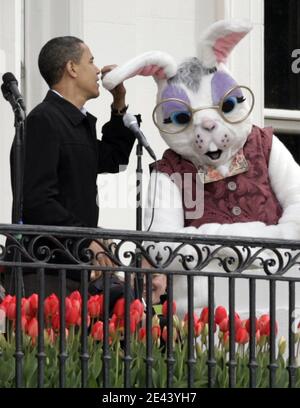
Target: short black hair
pixel 54 56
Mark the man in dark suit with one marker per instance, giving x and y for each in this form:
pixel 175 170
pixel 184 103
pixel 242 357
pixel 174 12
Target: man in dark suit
pixel 63 155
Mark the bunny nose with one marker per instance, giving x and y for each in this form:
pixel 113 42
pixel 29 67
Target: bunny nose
pixel 212 147
pixel 208 124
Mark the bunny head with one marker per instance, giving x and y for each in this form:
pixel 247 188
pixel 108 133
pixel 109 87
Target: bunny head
pixel 202 113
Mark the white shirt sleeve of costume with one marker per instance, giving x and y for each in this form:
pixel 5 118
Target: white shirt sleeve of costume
pixel 168 211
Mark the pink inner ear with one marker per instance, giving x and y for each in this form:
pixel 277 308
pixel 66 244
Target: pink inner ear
pixel 223 46
pixel 151 70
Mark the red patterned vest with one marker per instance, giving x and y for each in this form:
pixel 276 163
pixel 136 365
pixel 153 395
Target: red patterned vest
pixel 244 197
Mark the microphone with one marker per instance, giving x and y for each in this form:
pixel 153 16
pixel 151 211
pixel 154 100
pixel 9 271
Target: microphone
pixel 11 85
pixel 10 98
pixel 131 123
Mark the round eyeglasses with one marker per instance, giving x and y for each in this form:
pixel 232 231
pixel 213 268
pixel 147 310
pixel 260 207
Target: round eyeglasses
pixel 173 115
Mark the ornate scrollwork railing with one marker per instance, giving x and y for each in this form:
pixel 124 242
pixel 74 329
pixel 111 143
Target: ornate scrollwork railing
pixel 70 248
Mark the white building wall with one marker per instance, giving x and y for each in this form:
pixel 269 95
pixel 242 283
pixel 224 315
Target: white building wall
pixel 44 20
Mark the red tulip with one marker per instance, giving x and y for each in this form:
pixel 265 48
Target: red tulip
pixel 241 336
pixel 132 323
pixel 224 325
pixel 112 329
pixel 142 334
pixel 5 302
pixel 97 331
pixel 95 306
pixel 51 306
pixel 33 304
pixel 32 328
pixel 24 323
pixel 76 296
pixel 264 325
pixel 164 334
pixel 114 319
pixel 198 328
pixel 165 308
pixel 220 314
pixel 11 309
pixel 263 321
pixel 226 339
pixel 237 321
pixel 247 325
pixel 88 320
pixel 137 309
pixel 204 315
pixel 119 308
pixel 55 321
pixel 135 316
pixel 25 307
pixel 72 311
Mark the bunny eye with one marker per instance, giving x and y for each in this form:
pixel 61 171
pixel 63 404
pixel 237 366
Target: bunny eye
pixel 230 103
pixel 179 118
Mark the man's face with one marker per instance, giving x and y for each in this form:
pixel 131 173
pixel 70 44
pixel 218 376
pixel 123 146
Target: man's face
pixel 87 74
pixel 159 283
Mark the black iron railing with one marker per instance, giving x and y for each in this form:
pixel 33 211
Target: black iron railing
pixel 136 354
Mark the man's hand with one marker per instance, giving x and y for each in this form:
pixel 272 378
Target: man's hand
pixel 99 258
pixel 118 92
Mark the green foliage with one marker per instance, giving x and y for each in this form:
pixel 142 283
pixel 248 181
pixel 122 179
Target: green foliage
pixel 160 362
pixel 138 365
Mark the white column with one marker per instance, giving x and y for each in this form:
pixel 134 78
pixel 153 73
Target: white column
pixel 44 20
pixel 10 61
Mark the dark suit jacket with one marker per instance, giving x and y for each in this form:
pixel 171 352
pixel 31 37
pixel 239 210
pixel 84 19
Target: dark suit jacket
pixel 62 160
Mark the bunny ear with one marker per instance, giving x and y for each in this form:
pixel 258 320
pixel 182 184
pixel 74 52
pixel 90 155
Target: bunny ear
pixel 153 63
pixel 218 41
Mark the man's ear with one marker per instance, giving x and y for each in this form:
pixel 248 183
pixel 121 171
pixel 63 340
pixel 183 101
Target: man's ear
pixel 71 69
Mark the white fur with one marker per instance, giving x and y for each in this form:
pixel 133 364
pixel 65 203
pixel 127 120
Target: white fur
pixel 129 69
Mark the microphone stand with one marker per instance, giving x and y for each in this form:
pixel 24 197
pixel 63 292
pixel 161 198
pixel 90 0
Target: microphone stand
pixel 17 165
pixel 16 278
pixel 139 282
